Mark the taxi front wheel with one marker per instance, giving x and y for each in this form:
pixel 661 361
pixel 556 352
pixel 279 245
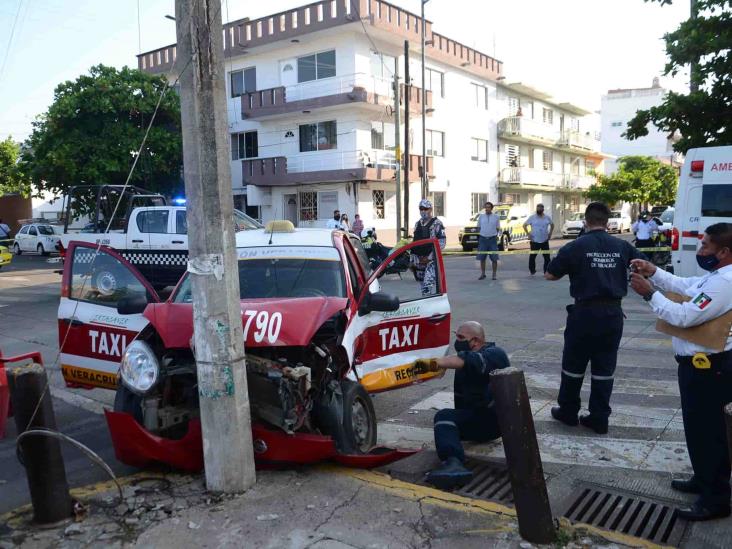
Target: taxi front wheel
pixel 359 418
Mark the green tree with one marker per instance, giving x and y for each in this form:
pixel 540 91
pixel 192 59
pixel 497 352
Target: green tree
pixel 641 180
pixel 94 128
pixel 701 117
pixel 12 178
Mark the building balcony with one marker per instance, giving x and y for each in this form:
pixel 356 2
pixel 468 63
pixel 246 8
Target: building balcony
pixel 328 167
pixel 578 140
pixel 579 182
pixel 528 129
pixel 531 177
pixel 361 89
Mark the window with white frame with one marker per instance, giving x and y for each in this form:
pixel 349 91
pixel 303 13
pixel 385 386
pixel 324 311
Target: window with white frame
pixel 479 149
pixel 513 156
pixel 529 106
pixel 435 143
pixel 477 202
pixel 382 65
pixel 480 96
pixel 243 81
pixel 382 136
pixel 438 203
pixel 316 66
pixel 327 202
pixel 547 116
pixel 531 155
pixel 510 198
pixel 318 137
pixel 435 82
pixel 574 124
pixel 514 104
pixel 377 202
pixel 589 167
pixel 547 161
pixel 308 201
pixel 575 165
pixel 244 145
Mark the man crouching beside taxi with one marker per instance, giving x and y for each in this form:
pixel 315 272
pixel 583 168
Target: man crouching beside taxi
pixel 474 416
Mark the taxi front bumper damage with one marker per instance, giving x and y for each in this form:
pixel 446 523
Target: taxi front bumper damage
pixel 137 447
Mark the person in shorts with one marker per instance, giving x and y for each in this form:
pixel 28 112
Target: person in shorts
pixel 489 225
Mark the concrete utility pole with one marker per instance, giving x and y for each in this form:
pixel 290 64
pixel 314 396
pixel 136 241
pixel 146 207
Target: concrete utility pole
pixel 407 94
pixel 398 153
pixel 423 171
pixel 217 328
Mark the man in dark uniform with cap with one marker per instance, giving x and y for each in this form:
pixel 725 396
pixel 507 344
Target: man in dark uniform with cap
pixel 597 265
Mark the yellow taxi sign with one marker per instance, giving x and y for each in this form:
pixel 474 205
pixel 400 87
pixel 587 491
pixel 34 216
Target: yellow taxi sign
pixel 86 376
pixel 395 377
pixel 280 226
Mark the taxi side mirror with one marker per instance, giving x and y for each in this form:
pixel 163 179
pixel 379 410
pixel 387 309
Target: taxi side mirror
pixel 378 302
pixel 132 304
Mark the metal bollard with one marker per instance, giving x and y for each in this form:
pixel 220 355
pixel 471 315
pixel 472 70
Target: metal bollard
pixel 42 457
pixel 522 456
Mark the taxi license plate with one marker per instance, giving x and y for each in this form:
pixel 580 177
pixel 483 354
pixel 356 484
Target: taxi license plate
pixel 472 238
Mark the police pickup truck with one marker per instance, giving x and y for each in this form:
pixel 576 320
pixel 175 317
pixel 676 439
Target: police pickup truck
pixel 147 232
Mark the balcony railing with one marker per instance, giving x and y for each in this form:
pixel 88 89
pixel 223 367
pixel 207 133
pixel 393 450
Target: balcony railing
pixel 579 140
pixel 328 166
pixel 528 128
pixel 531 176
pixel 579 182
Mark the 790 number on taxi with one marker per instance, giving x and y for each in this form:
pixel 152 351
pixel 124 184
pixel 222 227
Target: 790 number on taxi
pixel 265 325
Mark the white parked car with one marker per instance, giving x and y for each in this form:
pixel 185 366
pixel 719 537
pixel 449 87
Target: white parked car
pixel 618 222
pixel 573 225
pixel 36 237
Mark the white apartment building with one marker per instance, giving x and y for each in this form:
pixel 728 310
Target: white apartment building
pixel 618 108
pixel 312 128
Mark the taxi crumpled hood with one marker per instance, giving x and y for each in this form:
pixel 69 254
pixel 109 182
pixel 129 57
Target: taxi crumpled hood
pixel 300 319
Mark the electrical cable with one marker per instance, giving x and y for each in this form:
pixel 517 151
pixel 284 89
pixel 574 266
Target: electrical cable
pixel 10 40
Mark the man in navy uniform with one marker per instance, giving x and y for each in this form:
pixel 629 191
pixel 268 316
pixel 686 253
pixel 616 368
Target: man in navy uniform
pixel 597 265
pixel 705 374
pixel 474 416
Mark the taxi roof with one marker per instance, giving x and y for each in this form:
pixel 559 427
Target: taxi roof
pixel 298 237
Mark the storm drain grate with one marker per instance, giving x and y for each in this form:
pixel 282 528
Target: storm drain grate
pixel 490 481
pixel 627 513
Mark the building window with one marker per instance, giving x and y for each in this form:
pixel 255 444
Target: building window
pixel 480 94
pixel 547 116
pixel 377 201
pixel 435 143
pixel 316 66
pixel 435 82
pixel 529 106
pixel 477 201
pixel 575 166
pixel 327 202
pixel 244 145
pixel 382 65
pixel 318 137
pixel 308 206
pixel 547 161
pixel 589 167
pixel 513 156
pixel 510 198
pixel 382 136
pixel 438 203
pixel 616 124
pixel 243 81
pixel 574 124
pixel 532 153
pixel 574 204
pixel 514 104
pixel 479 149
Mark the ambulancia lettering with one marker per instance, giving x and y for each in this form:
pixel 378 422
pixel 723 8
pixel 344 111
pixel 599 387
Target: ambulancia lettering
pixel 722 167
pixel 399 336
pixel 104 343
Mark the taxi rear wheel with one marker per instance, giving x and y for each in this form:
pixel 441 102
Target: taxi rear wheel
pixel 359 418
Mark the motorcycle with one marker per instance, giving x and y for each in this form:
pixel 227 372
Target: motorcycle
pixel 661 258
pixel 377 253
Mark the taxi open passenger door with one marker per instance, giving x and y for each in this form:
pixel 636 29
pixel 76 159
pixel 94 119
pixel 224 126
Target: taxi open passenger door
pixel 386 344
pixel 98 288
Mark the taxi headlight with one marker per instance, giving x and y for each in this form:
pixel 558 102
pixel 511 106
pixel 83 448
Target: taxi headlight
pixel 139 368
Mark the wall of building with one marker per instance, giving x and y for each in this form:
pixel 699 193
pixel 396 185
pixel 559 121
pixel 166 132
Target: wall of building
pixel 14 208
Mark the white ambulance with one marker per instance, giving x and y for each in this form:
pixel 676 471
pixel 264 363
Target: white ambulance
pixel 704 198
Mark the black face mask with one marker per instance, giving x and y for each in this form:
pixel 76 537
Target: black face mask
pixel 337 217
pixel 462 345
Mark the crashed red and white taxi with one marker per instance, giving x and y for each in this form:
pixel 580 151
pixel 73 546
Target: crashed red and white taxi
pixel 321 333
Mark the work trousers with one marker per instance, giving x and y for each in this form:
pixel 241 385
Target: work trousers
pixel 452 426
pixel 704 393
pixel 592 335
pixel 532 257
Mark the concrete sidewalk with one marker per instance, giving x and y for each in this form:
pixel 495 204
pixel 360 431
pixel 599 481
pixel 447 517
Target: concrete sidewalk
pixel 320 507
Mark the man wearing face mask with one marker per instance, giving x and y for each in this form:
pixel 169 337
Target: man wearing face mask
pixel 474 416
pixel 334 223
pixel 423 260
pixel 705 374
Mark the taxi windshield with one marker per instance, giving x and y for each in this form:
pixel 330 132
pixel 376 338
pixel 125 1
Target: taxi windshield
pixel 279 271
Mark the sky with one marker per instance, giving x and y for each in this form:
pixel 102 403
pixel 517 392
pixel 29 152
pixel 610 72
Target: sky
pixel 575 50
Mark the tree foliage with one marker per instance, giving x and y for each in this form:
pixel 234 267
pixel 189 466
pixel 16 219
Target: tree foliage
pixel 12 178
pixel 639 180
pixel 701 117
pixel 94 128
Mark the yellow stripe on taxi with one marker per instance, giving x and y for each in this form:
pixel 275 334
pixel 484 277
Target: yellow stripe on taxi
pixel 395 377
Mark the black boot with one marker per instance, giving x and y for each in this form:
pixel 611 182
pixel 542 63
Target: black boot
pixel 564 417
pixel 596 424
pixel 689 486
pixel 698 512
pixel 452 474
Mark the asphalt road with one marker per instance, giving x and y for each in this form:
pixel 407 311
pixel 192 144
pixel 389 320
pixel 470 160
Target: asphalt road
pixel 523 314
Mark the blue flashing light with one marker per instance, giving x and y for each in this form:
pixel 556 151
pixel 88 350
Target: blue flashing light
pixel 179 201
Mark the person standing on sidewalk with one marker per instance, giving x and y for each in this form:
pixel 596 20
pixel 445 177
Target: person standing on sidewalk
pixel 423 257
pixel 597 265
pixel 542 228
pixel 705 373
pixel 474 416
pixel 357 227
pixel 489 225
pixel 643 230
